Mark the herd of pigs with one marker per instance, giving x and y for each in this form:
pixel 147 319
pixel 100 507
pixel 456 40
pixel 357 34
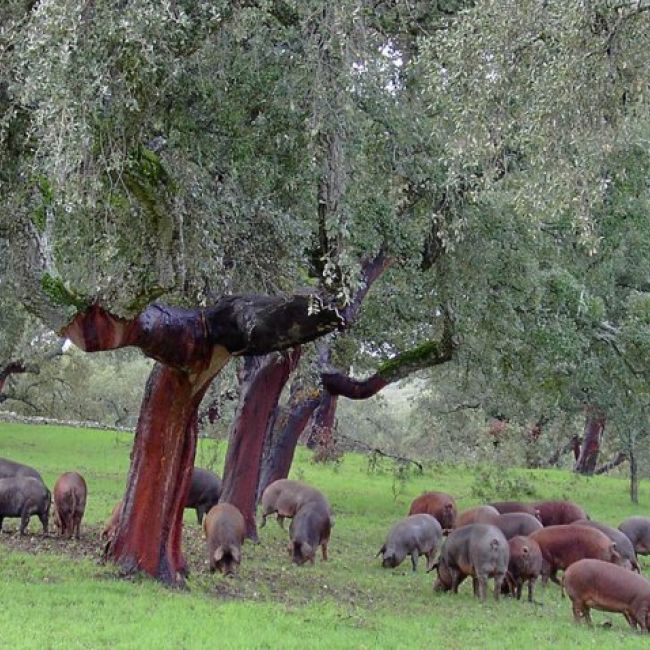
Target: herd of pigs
pixel 512 542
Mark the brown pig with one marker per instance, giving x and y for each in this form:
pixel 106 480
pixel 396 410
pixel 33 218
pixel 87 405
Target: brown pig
pixel 623 544
pixel 309 529
pixel 70 503
pixel 225 530
pixel 478 515
pixel 525 565
pixel 506 507
pixel 440 505
pixel 593 583
pixel 556 513
pixel 637 530
pixel 565 544
pixel 24 496
pixel 110 527
pixel 477 550
pixel 286 497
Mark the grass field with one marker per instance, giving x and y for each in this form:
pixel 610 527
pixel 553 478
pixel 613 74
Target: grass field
pixel 56 594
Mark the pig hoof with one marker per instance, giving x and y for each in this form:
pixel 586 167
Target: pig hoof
pixel 606 624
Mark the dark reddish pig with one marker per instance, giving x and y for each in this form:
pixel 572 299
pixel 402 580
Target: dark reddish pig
pixel 10 469
pixel 477 550
pixel 610 588
pixel 512 524
pixel 309 529
pixel 637 530
pixel 69 503
pixel 285 497
pixel 478 515
pixel 438 504
pixel 505 507
pixel 525 565
pixel 415 535
pixel 623 544
pixel 205 490
pixel 110 527
pixel 225 531
pixel 24 496
pixel 556 513
pixel 563 545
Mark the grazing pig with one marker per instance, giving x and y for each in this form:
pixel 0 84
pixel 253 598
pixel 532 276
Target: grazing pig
pixel 24 496
pixel 512 524
pixel 69 503
pixel 9 469
pixel 286 497
pixel 525 565
pixel 477 550
pixel 565 544
pixel 110 527
pixel 609 588
pixel 506 507
pixel 623 544
pixel 637 530
pixel 478 515
pixel 556 513
pixel 225 531
pixel 309 529
pixel 415 535
pixel 205 490
pixel 438 504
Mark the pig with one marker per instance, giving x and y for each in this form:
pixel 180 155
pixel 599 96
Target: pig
pixel 506 507
pixel 24 496
pixel 9 469
pixel 309 529
pixel 415 535
pixel 69 503
pixel 623 544
pixel 225 530
pixel 439 504
pixel 205 490
pixel 567 543
pixel 512 524
pixel 110 527
pixel 556 513
pixel 525 565
pixel 479 550
pixel 478 515
pixel 609 588
pixel 637 530
pixel 286 497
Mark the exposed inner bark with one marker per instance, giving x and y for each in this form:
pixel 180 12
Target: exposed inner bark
pixel 261 382
pixel 149 534
pixel 594 427
pixel 321 426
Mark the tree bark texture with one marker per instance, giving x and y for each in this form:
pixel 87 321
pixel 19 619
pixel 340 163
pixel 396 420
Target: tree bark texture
pixel 261 382
pixel 593 433
pixel 321 426
pixel 281 444
pixel 149 534
pixel 634 479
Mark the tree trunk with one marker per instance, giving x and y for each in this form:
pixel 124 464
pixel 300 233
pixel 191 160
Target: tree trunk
pixel 261 382
pixel 634 478
pixel 149 534
pixel 320 435
pixel 594 427
pixel 281 444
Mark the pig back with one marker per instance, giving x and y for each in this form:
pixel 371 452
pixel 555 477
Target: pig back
pixel 205 489
pixel 70 493
pixel 637 530
pixel 565 544
pixel 312 523
pixel 10 468
pixel 488 549
pixel 525 557
pixel 224 525
pixel 20 492
pixel 623 544
pixel 440 505
pixel 477 515
pixel 512 524
pixel 557 513
pixel 420 531
pixel 506 507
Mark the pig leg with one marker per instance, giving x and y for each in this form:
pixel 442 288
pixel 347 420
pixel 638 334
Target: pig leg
pixel 24 520
pixel 323 549
pixel 1 520
pixel 430 556
pixel 43 517
pixel 578 610
pixel 498 581
pixel 281 521
pixel 200 511
pixel 475 586
pixel 414 559
pixel 531 588
pixel 455 579
pixel 482 588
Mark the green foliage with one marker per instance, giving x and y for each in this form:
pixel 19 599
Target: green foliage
pixel 496 483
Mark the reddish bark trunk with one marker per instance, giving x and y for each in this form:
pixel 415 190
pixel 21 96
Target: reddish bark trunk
pixel 149 534
pixel 281 447
pixel 594 427
pixel 321 426
pixel 261 382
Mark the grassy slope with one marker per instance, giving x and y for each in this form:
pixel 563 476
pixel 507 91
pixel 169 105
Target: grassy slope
pixel 52 600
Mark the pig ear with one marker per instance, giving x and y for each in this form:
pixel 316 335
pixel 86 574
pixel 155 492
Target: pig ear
pixel 218 554
pixel 236 554
pixel 381 550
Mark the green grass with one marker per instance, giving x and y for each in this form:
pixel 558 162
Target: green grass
pixel 56 595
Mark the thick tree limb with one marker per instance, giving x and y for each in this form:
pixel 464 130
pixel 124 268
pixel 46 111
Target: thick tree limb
pixel 619 459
